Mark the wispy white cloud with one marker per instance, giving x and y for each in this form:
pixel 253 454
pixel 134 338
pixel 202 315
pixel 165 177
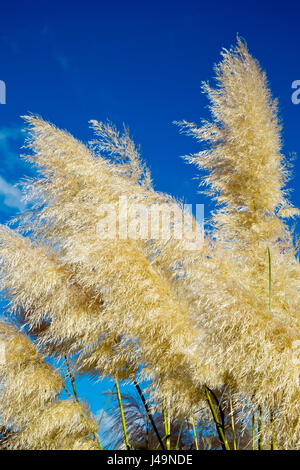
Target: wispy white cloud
pixel 9 133
pixel 12 195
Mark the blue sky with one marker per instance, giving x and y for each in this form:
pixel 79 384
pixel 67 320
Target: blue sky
pixel 141 63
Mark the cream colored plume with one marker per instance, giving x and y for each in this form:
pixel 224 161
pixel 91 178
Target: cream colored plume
pixel 30 405
pixel 65 318
pixel 248 289
pixel 140 306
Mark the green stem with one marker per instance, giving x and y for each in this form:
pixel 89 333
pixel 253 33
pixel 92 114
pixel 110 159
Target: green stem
pixel 72 380
pixel 195 435
pixel 232 422
pixel 167 428
pixel 179 434
pixel 219 427
pixel 149 414
pixel 253 430
pixel 259 428
pixel 122 415
pixel 98 442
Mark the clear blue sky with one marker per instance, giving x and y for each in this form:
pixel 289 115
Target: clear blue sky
pixel 141 63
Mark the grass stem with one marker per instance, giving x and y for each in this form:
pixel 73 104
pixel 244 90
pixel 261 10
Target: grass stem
pixel 179 434
pixel 167 428
pixel 149 414
pixel 219 426
pixel 259 428
pixel 232 422
pixel 122 415
pixel 253 430
pixel 195 434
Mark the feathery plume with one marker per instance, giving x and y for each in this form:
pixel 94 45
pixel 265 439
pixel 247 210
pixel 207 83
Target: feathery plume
pixel 251 321
pixel 29 403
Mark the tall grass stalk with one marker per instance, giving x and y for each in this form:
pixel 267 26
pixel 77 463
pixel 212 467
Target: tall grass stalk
pixel 72 380
pixel 253 430
pixel 232 422
pixel 122 415
pixel 219 426
pixel 195 434
pixel 259 428
pixel 149 414
pixel 167 425
pixel 179 434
